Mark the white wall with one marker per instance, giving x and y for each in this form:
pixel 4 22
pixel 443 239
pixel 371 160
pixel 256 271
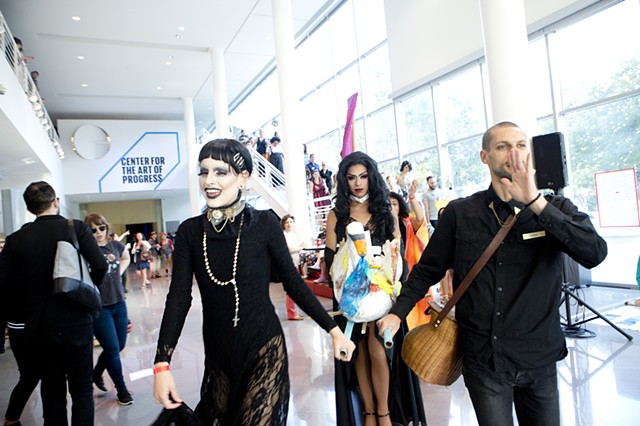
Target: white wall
pixel 428 38
pixel 161 144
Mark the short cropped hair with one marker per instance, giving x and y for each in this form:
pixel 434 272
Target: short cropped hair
pixel 38 197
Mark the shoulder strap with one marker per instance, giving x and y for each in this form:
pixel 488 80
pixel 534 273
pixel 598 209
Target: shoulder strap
pixel 74 242
pixel 476 268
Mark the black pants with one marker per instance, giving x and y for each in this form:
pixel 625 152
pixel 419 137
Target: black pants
pixel 66 356
pixel 29 374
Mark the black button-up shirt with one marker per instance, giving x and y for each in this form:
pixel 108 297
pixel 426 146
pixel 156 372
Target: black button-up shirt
pixel 509 318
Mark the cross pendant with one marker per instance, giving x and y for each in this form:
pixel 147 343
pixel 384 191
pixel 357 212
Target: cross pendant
pixel 235 321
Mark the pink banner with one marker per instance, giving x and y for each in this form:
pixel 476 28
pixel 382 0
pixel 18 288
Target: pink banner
pixel 347 140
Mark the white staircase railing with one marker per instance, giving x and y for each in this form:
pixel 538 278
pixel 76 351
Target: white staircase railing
pixel 270 183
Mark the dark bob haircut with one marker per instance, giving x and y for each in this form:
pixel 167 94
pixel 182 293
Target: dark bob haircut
pixel 230 151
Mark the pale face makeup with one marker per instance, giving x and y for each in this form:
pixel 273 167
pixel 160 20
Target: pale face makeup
pixel 219 183
pixel 358 180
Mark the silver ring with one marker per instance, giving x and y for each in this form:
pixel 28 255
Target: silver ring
pixel 343 352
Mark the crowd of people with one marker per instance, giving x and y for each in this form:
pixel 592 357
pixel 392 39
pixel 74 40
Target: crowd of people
pixel 234 251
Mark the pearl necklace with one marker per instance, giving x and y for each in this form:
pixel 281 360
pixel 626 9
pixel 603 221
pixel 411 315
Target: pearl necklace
pixel 232 281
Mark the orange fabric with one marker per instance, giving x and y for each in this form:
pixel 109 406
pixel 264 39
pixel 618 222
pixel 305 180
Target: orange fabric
pixel 416 242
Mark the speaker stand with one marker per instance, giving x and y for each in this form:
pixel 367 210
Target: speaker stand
pixel 573 326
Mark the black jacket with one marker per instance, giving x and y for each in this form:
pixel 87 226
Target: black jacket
pixel 27 262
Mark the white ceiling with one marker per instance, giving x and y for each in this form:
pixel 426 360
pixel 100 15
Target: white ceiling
pixel 126 44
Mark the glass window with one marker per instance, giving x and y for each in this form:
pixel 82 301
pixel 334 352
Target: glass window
pixel 321 56
pixel 376 79
pixel 541 103
pixel 359 140
pixel 329 149
pixel 416 123
pixel 327 114
pixel 348 83
pixel 343 37
pixel 304 68
pixel 307 117
pixel 460 105
pixel 601 139
pixel 424 163
pixel 371 26
pixel 381 135
pixel 594 57
pixel 469 174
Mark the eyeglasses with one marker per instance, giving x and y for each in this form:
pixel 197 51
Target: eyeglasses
pixel 102 228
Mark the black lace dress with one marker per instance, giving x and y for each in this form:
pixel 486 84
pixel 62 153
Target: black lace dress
pixel 246 378
pixel 405 396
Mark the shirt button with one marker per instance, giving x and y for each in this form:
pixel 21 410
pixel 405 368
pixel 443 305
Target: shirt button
pixel 499 288
pixel 498 313
pixel 495 337
pixel 499 263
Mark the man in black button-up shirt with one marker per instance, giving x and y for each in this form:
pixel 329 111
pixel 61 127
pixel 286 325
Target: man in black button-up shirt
pixel 510 332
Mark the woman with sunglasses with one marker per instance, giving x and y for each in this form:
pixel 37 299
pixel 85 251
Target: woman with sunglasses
pixel 110 325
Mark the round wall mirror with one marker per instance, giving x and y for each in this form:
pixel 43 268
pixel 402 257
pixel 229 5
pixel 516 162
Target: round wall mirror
pixel 90 142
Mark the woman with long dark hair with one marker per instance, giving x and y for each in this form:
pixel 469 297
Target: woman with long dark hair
pixel 231 249
pixel 362 196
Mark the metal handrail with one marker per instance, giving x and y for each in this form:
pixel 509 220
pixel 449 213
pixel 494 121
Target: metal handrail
pixel 19 67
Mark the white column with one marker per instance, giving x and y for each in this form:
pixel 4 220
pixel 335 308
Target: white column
pixel 296 187
pixel 221 103
pixel 504 30
pixel 192 156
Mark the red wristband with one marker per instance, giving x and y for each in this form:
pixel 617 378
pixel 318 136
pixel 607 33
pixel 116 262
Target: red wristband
pixel 160 369
pixel 412 198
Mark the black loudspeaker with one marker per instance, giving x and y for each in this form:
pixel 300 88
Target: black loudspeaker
pixel 550 161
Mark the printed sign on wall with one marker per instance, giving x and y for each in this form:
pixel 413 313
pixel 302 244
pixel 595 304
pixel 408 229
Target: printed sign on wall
pixel 145 165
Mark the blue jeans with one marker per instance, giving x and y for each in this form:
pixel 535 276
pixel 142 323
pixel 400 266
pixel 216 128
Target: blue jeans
pixel 110 328
pixel 534 393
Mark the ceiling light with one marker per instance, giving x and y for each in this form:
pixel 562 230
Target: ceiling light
pixel 171 57
pixel 37 106
pixel 168 63
pixel 76 18
pixel 178 35
pixel 80 57
pixel 40 113
pixel 33 98
pixel 84 85
pixel 47 127
pixel 43 121
pixel 180 28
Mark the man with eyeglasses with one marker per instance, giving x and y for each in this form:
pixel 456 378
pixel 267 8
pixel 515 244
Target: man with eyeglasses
pixel 58 330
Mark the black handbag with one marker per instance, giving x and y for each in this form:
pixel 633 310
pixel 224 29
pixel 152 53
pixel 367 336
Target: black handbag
pixel 181 416
pixel 71 274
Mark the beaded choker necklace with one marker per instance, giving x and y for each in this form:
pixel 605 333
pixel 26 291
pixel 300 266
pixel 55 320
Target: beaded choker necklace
pixel 223 215
pixel 232 281
pixel 360 199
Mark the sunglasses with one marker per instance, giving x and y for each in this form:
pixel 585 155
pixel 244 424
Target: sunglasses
pixel 101 228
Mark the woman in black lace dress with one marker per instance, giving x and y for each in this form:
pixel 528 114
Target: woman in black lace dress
pixel 231 249
pixel 377 378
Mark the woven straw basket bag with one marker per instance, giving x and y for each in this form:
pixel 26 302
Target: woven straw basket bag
pixel 432 352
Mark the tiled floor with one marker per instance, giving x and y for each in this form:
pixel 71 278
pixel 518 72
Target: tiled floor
pixel 599 381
